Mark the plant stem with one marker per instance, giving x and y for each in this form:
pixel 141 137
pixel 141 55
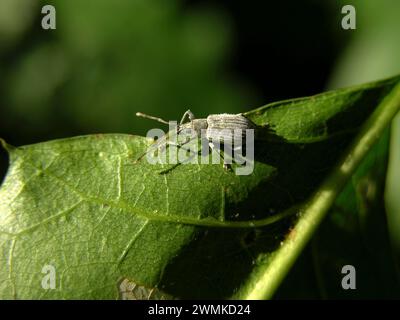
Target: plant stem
pixel 267 276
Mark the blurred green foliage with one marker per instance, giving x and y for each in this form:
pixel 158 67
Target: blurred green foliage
pixel 108 59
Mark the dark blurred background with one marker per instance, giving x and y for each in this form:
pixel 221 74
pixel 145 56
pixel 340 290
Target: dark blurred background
pixel 106 60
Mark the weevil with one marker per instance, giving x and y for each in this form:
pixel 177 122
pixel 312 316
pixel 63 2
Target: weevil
pixel 219 128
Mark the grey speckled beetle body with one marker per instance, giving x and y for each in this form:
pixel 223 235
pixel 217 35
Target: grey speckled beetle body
pixel 224 129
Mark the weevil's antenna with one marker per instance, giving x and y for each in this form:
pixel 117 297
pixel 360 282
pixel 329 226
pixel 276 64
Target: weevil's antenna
pixel 139 114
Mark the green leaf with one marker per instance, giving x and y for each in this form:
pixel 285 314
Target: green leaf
pixel 355 233
pixel 85 206
pixel 267 277
pixel 358 223
pixel 323 116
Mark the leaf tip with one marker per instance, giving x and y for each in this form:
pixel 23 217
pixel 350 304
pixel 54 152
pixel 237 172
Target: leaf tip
pixel 8 147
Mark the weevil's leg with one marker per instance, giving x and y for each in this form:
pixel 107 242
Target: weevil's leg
pixel 142 155
pixel 140 158
pixel 161 145
pixel 243 159
pixel 193 154
pixel 143 115
pixel 226 166
pixel 235 149
pixel 188 114
pixel 178 145
pixel 169 169
pixel 157 144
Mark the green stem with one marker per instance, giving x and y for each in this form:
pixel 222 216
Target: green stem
pixel 266 277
